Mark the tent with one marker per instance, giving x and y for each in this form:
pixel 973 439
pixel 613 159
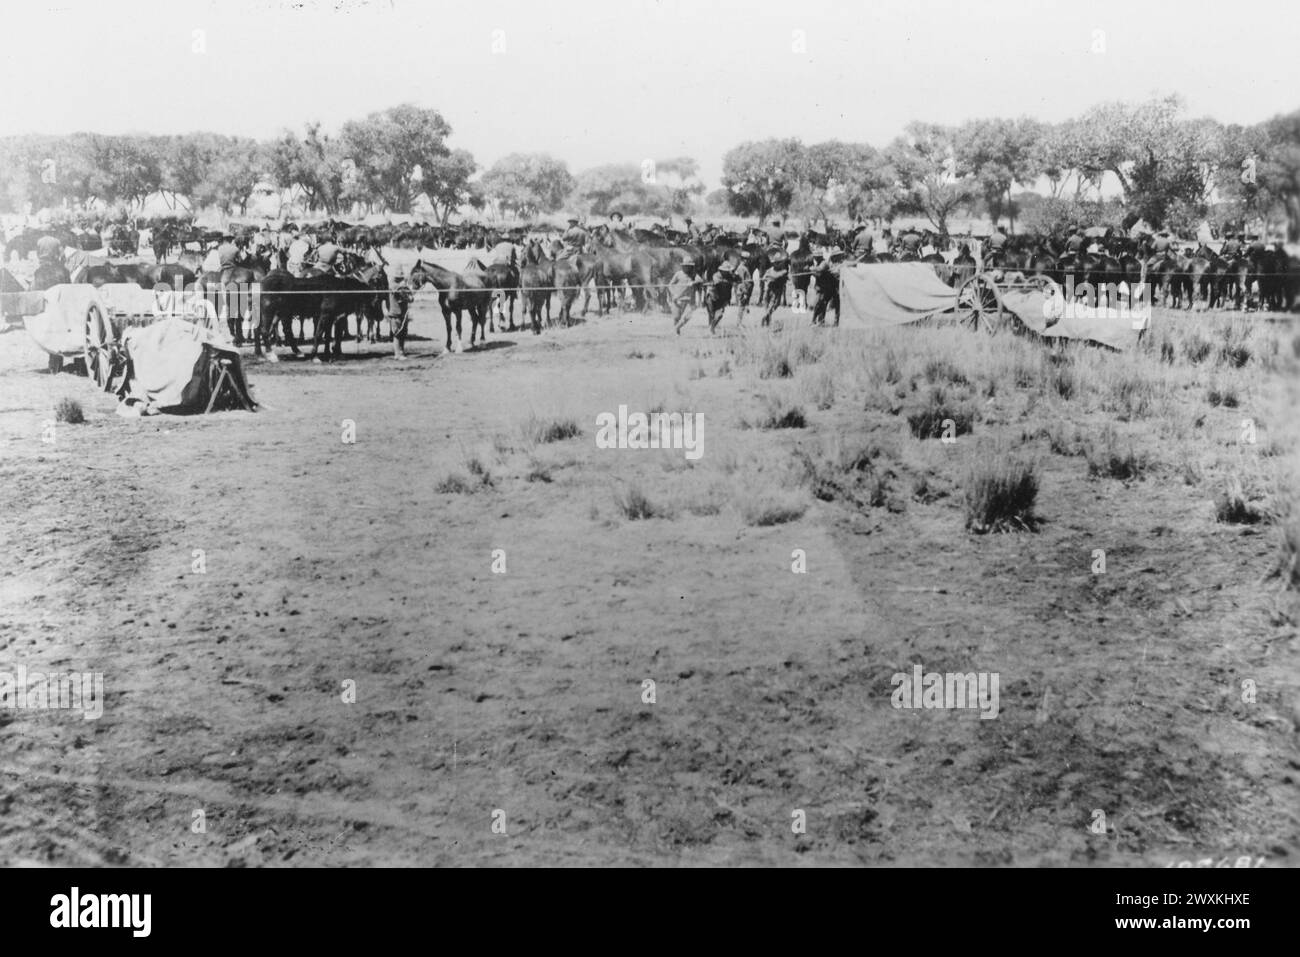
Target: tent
pixel 179 367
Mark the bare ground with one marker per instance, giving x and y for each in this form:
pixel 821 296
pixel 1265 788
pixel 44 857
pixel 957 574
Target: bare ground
pixel 522 692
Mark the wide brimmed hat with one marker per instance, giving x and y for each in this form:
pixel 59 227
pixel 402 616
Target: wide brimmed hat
pixel 688 261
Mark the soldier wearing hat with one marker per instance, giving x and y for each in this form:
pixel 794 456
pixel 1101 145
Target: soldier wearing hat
pixel 399 304
pixel 681 290
pixel 575 237
pixel 826 277
pixel 744 285
pixel 1231 245
pixel 718 294
pixel 692 230
pixel 774 280
pixel 227 256
pixel 1075 241
pixel 328 254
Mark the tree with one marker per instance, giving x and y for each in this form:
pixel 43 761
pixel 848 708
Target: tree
pixel 925 161
pixel 313 164
pixel 1156 156
pixel 678 185
pixel 528 184
pixel 390 147
pixel 235 172
pixel 614 188
pixel 444 180
pixel 125 167
pixel 1275 144
pixel 763 176
pixel 998 154
pixel 186 160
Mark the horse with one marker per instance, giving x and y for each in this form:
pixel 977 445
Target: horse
pixel 230 297
pixel 456 292
pixel 619 262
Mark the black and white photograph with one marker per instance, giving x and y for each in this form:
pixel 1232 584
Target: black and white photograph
pixel 649 433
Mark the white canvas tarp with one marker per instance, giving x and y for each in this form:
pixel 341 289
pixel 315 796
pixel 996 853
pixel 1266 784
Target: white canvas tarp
pixel 173 366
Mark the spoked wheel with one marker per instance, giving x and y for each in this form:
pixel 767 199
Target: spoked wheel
pixel 980 305
pixel 99 346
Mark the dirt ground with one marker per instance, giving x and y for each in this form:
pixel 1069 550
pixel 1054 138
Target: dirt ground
pixel 517 697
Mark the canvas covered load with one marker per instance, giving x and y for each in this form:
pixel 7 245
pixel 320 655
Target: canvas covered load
pixel 178 367
pixel 893 294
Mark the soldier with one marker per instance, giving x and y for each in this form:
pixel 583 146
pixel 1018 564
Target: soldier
pixel 718 293
pixel 826 276
pixel 399 304
pixel 744 285
pixel 1075 241
pixel 328 255
pixel 681 290
pixel 911 242
pixel 296 253
pixel 227 257
pixel 774 280
pixel 692 231
pixel 1231 245
pixel 575 237
pixel 49 251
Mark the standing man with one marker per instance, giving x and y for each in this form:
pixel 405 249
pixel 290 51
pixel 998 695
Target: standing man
pixel 826 276
pixel 744 286
pixel 297 253
pixel 681 290
pixel 774 281
pixel 399 304
pixel 718 294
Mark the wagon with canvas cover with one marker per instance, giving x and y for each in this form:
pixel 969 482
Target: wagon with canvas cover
pixel 151 348
pixel 884 294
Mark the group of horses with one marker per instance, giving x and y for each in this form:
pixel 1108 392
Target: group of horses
pixel 1264 277
pixel 633 268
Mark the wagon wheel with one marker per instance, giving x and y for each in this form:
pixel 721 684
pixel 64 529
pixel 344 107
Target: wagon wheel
pixel 980 304
pixel 99 346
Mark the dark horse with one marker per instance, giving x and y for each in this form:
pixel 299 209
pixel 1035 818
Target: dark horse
pixel 325 299
pixel 234 297
pixel 456 292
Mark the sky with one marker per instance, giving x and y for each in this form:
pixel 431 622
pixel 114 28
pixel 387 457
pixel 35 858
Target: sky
pixel 606 81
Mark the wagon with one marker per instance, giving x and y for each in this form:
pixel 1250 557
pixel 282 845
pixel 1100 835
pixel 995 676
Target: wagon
pixel 129 340
pixel 891 294
pixel 987 301
pixel 78 321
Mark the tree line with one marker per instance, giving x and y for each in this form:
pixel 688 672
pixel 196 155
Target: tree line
pixel 1170 170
